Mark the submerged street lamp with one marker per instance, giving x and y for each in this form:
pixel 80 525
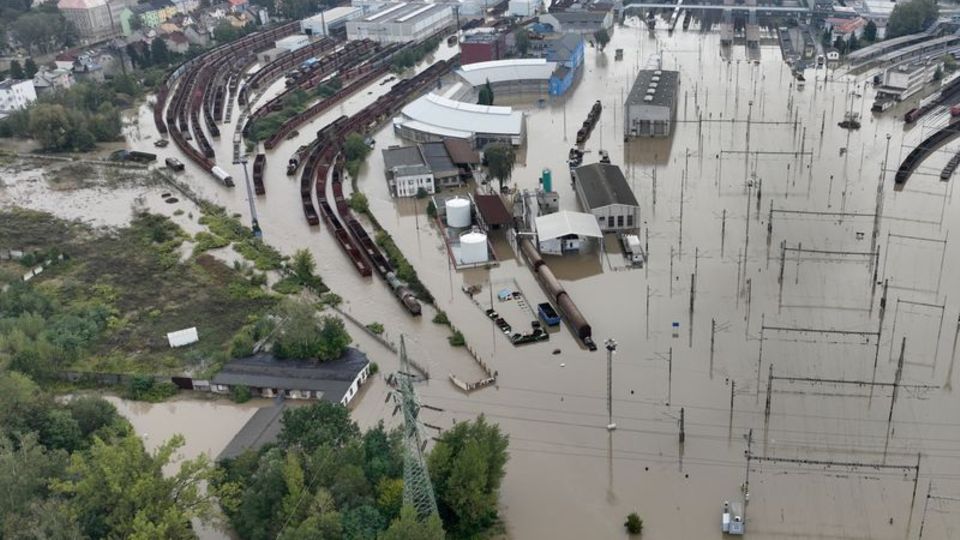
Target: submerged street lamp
pixel 611 348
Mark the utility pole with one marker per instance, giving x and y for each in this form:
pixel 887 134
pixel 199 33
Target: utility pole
pixel 893 398
pixel 723 231
pixel 611 348
pixel 683 434
pixel 669 376
pixel 713 337
pixel 417 489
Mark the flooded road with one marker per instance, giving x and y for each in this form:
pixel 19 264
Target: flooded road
pixel 728 200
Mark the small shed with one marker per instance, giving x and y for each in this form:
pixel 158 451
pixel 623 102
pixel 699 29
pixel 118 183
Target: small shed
pixel 183 337
pixel 492 211
pixel 566 232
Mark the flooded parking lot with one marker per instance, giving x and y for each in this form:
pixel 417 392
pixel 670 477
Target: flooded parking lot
pixel 770 210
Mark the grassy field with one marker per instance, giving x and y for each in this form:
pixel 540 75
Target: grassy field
pixel 149 285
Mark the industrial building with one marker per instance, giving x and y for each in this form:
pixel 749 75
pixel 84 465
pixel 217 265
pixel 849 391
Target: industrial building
pixel 603 191
pixel 335 381
pixel 400 22
pixel 579 22
pixel 511 77
pixel 524 8
pixel 434 118
pixel 566 232
pixel 429 166
pixel 482 45
pixel 330 20
pixel 292 43
pixel 901 82
pixel 651 105
pixel 566 49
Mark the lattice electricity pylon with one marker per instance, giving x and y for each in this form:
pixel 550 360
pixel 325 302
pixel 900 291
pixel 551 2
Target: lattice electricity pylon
pixel 417 488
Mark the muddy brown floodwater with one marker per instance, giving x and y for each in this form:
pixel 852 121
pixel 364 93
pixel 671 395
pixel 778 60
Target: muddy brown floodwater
pixel 740 127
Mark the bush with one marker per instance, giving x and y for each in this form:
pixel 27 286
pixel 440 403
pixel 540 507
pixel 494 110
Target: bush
pixel 431 210
pixel 359 203
pixel 148 389
pixel 240 394
pixel 331 299
pixel 242 344
pixel 457 339
pixel 634 524
pixel 288 285
pixel 376 328
pixel 441 318
pixel 374 368
pixel 206 241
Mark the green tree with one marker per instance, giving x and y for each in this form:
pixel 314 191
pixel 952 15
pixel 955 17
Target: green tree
pixel 319 424
pixel 840 45
pixel 43 32
pixel 938 74
pixel 354 148
pixel 359 202
pixel 95 415
pixel 486 94
pixel 30 68
pixel 303 265
pixel 119 490
pixel 634 524
pixel 136 22
pixel 500 160
pixel 16 70
pixel 522 38
pixel 602 38
pixel 305 337
pixel 225 32
pixel 26 468
pixel 51 126
pixel 159 52
pixel 390 497
pixel 853 43
pixel 467 467
pixel 362 523
pixel 949 63
pixel 911 17
pixel 49 519
pixel 60 431
pixel 408 527
pixel 870 32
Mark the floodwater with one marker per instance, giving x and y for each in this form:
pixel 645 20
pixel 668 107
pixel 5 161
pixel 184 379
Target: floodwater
pixel 740 128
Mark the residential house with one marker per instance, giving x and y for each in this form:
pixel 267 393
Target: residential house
pixel 65 59
pixel 85 68
pixel 186 6
pixel 567 51
pixel 50 80
pixel 844 28
pixel 196 37
pixel 16 94
pixel 176 42
pixel 579 22
pixel 158 13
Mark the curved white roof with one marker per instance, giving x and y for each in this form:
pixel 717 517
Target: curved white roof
pixel 562 223
pixel 495 71
pixel 440 115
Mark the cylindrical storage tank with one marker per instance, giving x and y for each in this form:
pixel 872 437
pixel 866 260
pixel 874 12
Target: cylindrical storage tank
pixel 473 248
pixel 458 212
pixel 547 179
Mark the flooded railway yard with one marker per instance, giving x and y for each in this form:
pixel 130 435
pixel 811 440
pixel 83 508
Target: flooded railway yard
pixel 789 310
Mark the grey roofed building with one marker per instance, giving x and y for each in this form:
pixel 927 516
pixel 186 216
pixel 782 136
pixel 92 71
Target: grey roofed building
pixel 603 191
pixel 603 184
pixel 262 428
pixel 336 381
pixel 651 105
pixel 665 93
pixel 438 159
pixel 404 160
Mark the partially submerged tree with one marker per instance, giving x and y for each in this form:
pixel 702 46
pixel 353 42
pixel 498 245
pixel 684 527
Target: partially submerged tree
pixel 602 38
pixel 486 94
pixel 500 159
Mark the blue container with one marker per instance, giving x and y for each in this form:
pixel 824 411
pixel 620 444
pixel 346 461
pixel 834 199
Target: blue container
pixel 547 179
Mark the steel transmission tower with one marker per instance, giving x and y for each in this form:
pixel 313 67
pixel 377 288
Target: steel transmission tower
pixel 417 489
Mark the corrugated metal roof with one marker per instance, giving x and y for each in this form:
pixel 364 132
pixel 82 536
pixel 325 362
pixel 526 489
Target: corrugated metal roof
pixel 603 185
pixel 496 71
pixel 562 223
pixel 441 114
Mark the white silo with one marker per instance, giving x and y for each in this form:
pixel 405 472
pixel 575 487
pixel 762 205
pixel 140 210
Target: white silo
pixel 473 247
pixel 458 212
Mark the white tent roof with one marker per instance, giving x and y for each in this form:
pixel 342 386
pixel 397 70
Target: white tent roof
pixel 183 337
pixel 563 223
pixel 496 71
pixel 449 115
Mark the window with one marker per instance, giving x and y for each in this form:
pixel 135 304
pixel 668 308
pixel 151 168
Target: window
pixel 610 222
pixel 630 220
pixel 620 221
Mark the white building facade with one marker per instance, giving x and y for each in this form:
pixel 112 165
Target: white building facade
pixel 16 95
pixel 402 22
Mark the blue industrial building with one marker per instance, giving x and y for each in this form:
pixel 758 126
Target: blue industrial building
pixel 567 51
